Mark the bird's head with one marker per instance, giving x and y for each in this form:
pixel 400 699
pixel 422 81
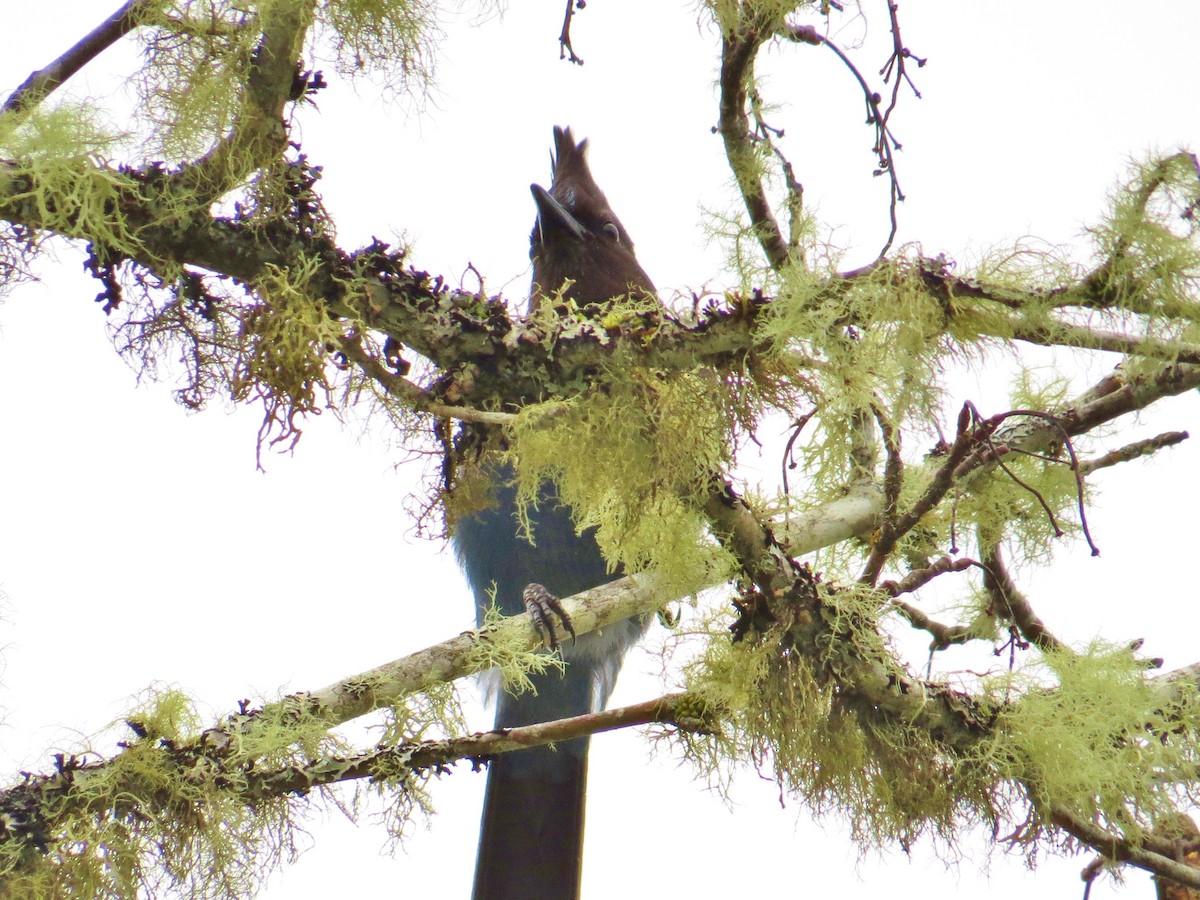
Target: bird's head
pixel 577 236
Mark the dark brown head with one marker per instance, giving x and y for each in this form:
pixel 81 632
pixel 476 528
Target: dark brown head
pixel 577 236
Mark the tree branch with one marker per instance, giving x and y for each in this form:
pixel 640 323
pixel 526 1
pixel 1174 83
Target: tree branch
pixel 739 45
pixel 1132 451
pixel 1007 602
pixel 1119 849
pixel 413 756
pixel 40 84
pixel 258 135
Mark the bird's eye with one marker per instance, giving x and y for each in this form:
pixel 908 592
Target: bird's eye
pixel 610 229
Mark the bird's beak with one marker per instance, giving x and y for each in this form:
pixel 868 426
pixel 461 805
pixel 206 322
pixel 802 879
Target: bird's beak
pixel 552 217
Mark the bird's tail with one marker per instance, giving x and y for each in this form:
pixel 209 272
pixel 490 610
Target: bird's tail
pixel 531 836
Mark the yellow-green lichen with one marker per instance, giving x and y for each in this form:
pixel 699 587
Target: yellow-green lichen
pixel 1091 735
pixel 634 459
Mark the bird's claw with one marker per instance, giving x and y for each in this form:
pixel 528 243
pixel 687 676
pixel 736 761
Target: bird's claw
pixel 543 607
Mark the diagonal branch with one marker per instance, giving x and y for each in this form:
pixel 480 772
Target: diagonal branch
pixel 1122 850
pixel 1132 451
pixel 40 84
pixel 1008 602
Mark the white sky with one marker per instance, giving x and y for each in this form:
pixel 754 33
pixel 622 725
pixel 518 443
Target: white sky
pixel 138 544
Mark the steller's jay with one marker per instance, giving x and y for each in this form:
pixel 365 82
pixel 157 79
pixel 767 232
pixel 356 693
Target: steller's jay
pixel 531 835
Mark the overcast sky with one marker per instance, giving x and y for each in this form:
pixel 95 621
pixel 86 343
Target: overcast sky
pixel 138 543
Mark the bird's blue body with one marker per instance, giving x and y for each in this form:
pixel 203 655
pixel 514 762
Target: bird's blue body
pixel 531 837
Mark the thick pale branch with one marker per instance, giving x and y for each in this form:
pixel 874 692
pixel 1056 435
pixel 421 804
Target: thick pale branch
pixel 459 656
pixel 27 810
pixel 917 703
pixel 856 514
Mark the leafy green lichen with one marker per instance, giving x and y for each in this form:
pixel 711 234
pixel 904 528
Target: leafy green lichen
pixel 635 460
pixel 511 657
pixel 789 714
pixel 390 40
pixel 154 818
pixel 1093 736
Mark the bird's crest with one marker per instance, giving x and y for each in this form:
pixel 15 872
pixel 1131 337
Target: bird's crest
pixel 573 186
pixel 578 245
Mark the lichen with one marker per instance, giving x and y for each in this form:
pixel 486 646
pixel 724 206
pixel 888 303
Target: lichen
pixel 1092 735
pixel 635 460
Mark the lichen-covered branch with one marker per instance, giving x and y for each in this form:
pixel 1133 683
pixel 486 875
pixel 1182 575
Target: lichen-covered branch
pixel 258 134
pixel 1156 861
pixel 410 757
pixel 223 252
pixel 741 38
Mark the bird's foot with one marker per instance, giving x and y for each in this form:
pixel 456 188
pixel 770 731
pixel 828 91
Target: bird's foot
pixel 544 607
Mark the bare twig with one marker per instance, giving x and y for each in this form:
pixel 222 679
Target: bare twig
pixel 896 62
pixel 943 635
pixel 885 142
pixel 1133 451
pixel 1069 446
pixel 890 532
pixel 789 461
pixel 918 578
pixel 44 81
pixel 794 204
pixel 565 50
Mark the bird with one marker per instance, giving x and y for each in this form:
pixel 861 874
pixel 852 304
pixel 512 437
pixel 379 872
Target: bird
pixel 531 831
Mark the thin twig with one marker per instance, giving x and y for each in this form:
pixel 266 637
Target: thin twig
pixel 1133 451
pixel 40 84
pixel 788 461
pixel 885 141
pixel 943 635
pixel 1069 446
pixel 794 204
pixel 564 36
pixel 415 396
pixel 968 437
pixel 896 62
